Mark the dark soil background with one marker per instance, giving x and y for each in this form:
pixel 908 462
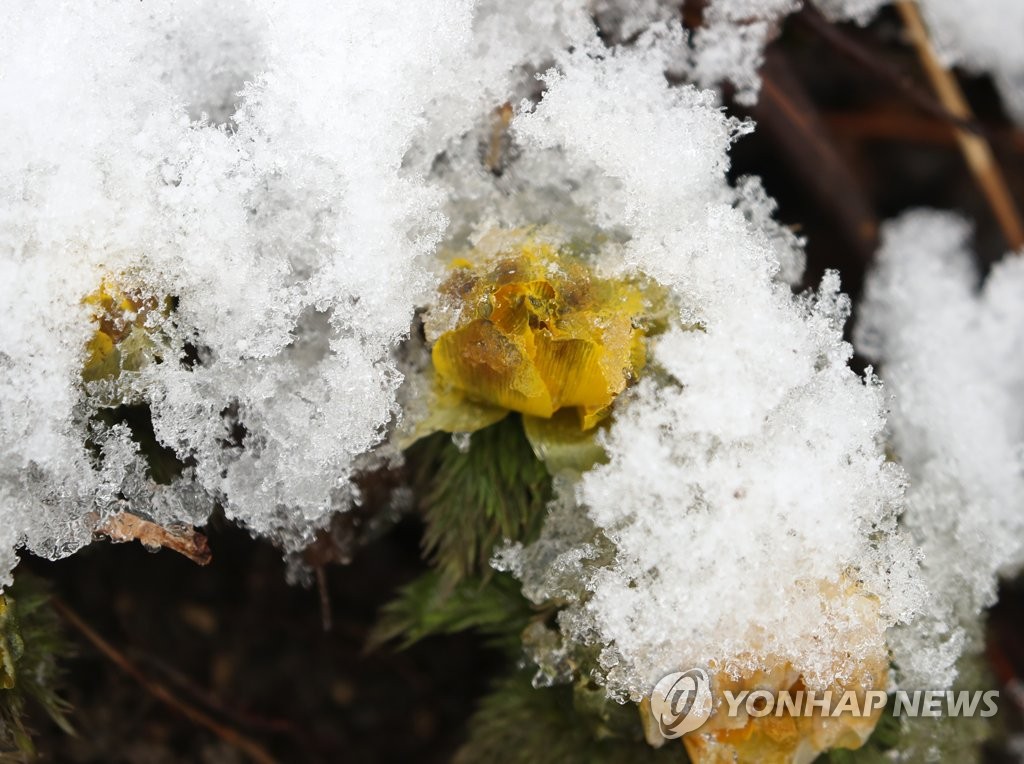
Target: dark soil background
pixel 841 144
pixel 235 640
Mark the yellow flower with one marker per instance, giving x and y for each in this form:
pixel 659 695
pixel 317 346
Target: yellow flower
pixel 792 738
pixel 538 332
pixel 122 340
pixel 787 739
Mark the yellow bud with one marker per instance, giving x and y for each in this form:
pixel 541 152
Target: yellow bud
pixel 538 331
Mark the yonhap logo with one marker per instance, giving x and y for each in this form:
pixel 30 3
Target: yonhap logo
pixel 681 702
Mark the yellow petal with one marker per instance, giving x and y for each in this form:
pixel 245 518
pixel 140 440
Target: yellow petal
pixel 572 370
pixel 491 367
pixel 538 331
pixel 102 359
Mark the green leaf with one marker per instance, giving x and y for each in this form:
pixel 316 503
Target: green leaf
pixel 451 412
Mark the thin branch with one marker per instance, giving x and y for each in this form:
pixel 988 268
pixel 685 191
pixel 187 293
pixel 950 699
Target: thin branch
pixel 124 526
pixel 975 149
pixel 211 702
pixel 230 736
pixel 323 588
pixel 903 126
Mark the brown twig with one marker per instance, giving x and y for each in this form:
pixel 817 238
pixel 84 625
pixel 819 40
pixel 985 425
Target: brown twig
pixel 901 125
pixel 323 588
pixel 1003 668
pixel 230 736
pixel 211 702
pixel 882 125
pixel 495 158
pixel 975 148
pixel 124 526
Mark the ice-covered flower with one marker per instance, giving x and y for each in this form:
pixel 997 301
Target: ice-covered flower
pixel 535 330
pixel 125 324
pixel 797 733
pixel 745 517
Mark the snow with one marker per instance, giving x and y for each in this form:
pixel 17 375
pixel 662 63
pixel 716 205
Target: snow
pixel 747 487
pixel 950 353
pixel 283 183
pixel 264 164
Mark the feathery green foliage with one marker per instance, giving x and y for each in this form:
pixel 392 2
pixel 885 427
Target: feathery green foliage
pixel 519 724
pixel 497 489
pixel 430 605
pixel 473 499
pixel 30 645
